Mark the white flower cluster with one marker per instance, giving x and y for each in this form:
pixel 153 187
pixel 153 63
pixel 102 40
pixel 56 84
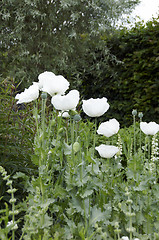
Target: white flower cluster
pixel 155 149
pixel 54 85
pixel 57 85
pixel 108 129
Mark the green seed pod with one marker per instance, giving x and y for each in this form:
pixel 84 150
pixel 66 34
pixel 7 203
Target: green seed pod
pixel 44 95
pixel 77 117
pixel 140 115
pixel 76 147
pixel 134 112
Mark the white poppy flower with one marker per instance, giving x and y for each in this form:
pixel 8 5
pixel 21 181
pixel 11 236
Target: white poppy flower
pixel 67 102
pixel 64 114
pixel 95 107
pixel 125 238
pixel 108 128
pixel 107 151
pixel 53 84
pixel 150 128
pixel 29 95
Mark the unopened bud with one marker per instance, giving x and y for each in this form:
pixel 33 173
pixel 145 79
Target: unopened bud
pixel 76 147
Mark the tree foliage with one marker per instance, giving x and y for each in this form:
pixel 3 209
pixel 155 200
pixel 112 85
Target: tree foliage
pixel 53 34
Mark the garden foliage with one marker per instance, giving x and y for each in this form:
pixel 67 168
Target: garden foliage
pixel 54 35
pixel 78 194
pixel 17 130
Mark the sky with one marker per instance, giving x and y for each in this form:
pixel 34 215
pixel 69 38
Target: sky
pixel 146 9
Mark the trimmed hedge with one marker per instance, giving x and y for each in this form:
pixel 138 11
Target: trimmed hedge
pixel 132 82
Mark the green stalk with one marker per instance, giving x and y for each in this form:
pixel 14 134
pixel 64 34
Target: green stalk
pixel 87 135
pixel 134 124
pixel 130 222
pixel 41 159
pixel 43 120
pixel 36 116
pixel 13 209
pixel 72 139
pixel 149 148
pixel 57 139
pixel 94 141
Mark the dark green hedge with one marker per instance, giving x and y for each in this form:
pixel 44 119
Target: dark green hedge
pixel 132 82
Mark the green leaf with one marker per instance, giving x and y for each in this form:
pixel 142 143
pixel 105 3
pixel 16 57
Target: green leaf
pixel 87 193
pixel 97 215
pixel 35 159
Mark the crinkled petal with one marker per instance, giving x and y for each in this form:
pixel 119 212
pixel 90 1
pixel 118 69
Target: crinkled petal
pixel 67 102
pixel 107 151
pixel 95 107
pixel 150 128
pixel 109 128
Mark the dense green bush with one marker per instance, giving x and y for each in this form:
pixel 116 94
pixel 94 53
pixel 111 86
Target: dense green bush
pixel 16 135
pixel 133 80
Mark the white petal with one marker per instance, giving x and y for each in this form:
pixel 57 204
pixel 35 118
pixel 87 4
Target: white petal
pixel 95 107
pixel 67 102
pixel 28 95
pixel 53 84
pixel 109 128
pixel 150 128
pixel 107 151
